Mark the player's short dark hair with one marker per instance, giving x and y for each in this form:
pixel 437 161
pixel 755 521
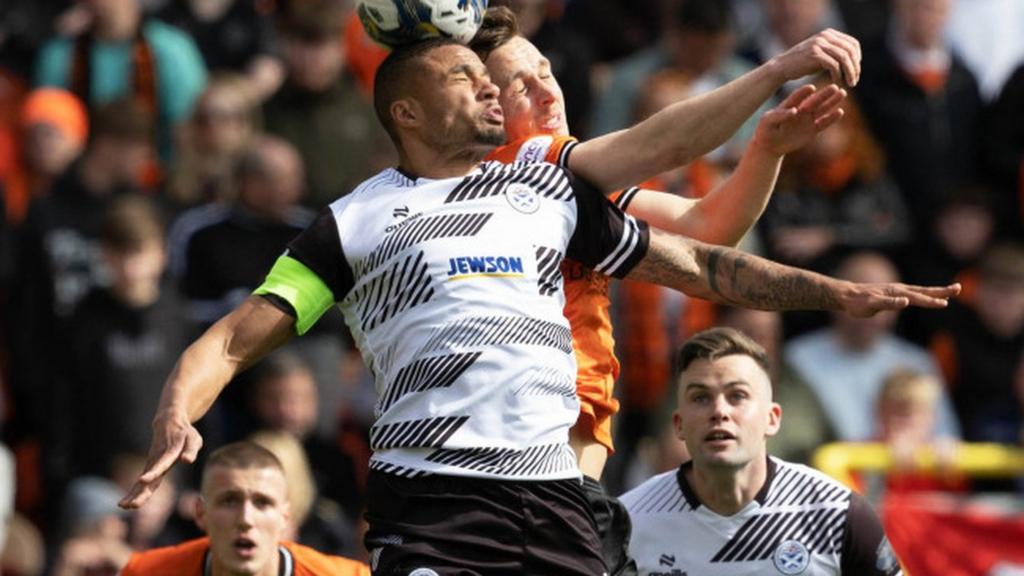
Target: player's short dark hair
pixel 716 343
pixel 498 27
pixel 707 16
pixel 244 455
pixel 395 74
pixel 131 222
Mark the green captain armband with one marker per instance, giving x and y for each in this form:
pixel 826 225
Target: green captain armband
pixel 294 282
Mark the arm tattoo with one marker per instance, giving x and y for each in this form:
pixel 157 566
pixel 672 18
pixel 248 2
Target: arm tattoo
pixel 713 271
pixel 732 277
pixel 758 283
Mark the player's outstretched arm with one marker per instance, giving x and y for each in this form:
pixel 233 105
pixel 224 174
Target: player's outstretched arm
pixel 689 129
pixel 236 341
pixel 726 213
pixel 733 277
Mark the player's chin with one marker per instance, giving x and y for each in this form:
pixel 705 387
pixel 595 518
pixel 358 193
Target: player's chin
pixel 491 136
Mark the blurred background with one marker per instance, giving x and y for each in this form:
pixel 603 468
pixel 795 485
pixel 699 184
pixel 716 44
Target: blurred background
pixel 156 156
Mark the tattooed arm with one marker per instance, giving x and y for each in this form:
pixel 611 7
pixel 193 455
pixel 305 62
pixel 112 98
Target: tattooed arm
pixel 740 279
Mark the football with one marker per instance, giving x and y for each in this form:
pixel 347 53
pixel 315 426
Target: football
pixel 393 23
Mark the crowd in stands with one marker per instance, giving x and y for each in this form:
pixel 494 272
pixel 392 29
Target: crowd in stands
pixel 156 156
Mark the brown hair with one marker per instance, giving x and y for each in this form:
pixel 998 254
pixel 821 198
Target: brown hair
pixel 499 25
pixel 242 456
pixel 130 223
pixel 717 343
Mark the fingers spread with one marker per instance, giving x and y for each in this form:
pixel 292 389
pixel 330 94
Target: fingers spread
pixel 798 96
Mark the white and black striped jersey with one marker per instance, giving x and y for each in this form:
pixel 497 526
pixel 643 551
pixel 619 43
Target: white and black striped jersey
pixel 801 522
pixel 452 291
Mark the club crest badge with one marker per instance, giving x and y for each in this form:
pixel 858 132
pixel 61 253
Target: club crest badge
pixel 523 198
pixel 791 557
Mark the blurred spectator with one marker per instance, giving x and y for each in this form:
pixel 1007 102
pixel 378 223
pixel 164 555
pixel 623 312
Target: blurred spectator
pixel 53 129
pixel 121 343
pixel 617 28
pixel 60 257
pixel 24 553
pixel 120 53
pixel 865 20
pixel 247 512
pixel 285 398
pixel 221 127
pixel 159 522
pixel 320 108
pixel 809 426
pixel 698 42
pixel 219 254
pixel 907 409
pixel 963 230
pixel 982 348
pixel 231 35
pixel 221 251
pixel 923 106
pixel 24 24
pixel 835 196
pixel 94 528
pixel 1005 153
pixel 786 24
pixel 315 522
pixel 986 33
pixel 846 363
pixel 570 54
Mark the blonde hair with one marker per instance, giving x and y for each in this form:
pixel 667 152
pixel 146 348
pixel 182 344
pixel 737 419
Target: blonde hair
pixel 298 474
pixel 910 386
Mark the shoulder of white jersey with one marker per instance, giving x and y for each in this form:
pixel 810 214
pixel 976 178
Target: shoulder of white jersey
pixel 384 181
pixel 799 485
pixel 657 494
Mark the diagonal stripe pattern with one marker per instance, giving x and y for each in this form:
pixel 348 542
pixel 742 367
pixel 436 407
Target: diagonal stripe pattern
pixel 404 286
pixel 482 331
pixel 426 374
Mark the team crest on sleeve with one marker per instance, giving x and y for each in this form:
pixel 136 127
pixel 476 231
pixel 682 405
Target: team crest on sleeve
pixel 791 557
pixel 523 198
pixel 534 149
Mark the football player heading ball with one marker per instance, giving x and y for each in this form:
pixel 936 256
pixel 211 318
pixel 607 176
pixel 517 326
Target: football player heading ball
pixel 393 23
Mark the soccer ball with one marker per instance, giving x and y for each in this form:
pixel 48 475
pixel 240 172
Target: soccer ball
pixel 393 23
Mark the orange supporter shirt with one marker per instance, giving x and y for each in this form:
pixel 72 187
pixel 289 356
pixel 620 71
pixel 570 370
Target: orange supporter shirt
pixel 189 559
pixel 586 303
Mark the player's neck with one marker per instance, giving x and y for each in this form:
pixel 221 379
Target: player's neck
pixel 424 162
pixel 726 491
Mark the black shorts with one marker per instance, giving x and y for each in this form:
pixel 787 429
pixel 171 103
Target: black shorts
pixel 449 525
pixel 613 527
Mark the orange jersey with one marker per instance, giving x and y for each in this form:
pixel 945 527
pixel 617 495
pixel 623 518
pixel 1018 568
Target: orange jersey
pixel 189 559
pixel 586 302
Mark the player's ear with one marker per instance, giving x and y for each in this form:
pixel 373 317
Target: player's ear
pixel 406 113
pixel 200 513
pixel 677 424
pixel 774 419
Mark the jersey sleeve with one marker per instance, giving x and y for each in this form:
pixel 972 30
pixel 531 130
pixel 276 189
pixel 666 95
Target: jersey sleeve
pixel 312 275
pixel 606 238
pixel 866 549
pixel 541 148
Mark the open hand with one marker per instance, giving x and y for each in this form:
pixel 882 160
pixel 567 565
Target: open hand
pixel 174 440
pixel 868 299
pixel 830 50
pixel 799 118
